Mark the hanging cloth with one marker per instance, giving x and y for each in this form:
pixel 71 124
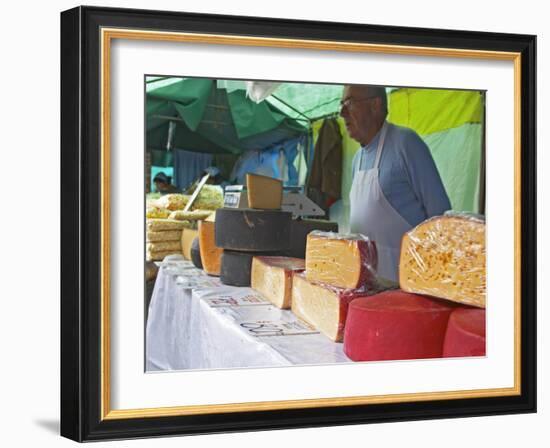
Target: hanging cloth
pixel 325 180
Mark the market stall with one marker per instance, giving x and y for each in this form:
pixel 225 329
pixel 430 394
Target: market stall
pixel 248 279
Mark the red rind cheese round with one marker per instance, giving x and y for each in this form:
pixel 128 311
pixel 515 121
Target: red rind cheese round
pixel 395 325
pixel 465 334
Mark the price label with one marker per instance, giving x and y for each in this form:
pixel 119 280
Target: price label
pixel 231 200
pixel 276 328
pixel 229 300
pixel 186 282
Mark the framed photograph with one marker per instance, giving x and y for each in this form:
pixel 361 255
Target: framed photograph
pixel 278 224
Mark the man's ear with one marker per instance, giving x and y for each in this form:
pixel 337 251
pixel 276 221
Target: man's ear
pixel 377 104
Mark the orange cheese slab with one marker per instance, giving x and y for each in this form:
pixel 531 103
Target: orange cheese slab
pixel 210 254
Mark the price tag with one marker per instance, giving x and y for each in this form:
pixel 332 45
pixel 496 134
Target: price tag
pixel 199 281
pixel 231 200
pixel 276 328
pixel 229 300
pixel 235 197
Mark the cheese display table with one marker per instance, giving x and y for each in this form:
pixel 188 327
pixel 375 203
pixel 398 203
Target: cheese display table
pixel 195 322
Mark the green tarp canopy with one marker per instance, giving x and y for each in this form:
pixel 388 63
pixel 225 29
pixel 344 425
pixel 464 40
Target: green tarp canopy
pixel 213 120
pixel 216 116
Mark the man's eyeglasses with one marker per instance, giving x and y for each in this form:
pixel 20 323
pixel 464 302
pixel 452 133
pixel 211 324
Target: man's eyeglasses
pixel 349 101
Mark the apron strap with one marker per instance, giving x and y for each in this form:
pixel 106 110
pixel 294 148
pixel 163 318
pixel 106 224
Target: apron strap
pixel 380 144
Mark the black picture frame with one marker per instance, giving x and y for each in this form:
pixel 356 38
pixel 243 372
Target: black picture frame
pixel 81 210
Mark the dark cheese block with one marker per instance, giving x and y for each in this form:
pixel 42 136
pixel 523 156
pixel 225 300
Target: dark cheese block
pixel 299 228
pixel 236 267
pixel 252 230
pixel 235 270
pixel 196 253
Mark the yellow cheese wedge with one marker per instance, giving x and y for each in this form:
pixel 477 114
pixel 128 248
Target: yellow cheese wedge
pixel 264 192
pixel 211 255
pixel 445 257
pixel 187 237
pixel 272 277
pixel 322 306
pixel 344 261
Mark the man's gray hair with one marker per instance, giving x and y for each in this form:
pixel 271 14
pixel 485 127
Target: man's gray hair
pixel 377 92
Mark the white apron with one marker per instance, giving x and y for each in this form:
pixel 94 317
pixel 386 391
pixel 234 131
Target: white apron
pixel 373 216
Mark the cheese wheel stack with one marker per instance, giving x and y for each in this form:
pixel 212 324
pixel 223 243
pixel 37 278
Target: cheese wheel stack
pixel 261 229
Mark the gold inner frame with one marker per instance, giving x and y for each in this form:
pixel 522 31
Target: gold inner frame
pixel 107 35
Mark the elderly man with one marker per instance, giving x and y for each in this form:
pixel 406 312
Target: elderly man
pixel 396 184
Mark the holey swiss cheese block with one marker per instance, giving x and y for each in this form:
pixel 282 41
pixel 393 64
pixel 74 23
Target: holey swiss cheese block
pixel 344 261
pixel 252 230
pixel 445 257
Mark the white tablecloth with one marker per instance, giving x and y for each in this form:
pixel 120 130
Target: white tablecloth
pixel 189 328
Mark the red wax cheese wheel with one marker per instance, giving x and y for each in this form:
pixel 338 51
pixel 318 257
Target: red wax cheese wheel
pixel 465 333
pixel 395 325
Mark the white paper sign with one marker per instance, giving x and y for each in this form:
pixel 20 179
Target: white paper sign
pixel 236 300
pixel 199 281
pixel 276 328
